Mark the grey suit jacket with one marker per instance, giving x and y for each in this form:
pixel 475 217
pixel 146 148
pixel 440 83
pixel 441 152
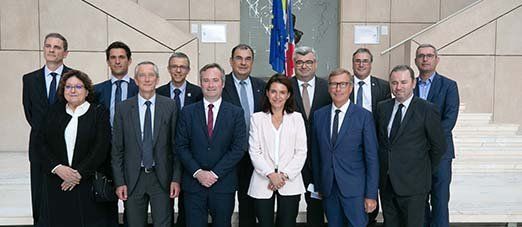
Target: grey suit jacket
pixel 127 143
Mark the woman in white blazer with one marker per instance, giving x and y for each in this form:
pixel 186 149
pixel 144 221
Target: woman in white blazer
pixel 278 152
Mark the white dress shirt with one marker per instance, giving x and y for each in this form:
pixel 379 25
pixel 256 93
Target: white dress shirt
pixel 49 78
pixel 215 110
pixel 143 108
pixel 343 109
pixel 183 89
pixel 406 104
pixel 72 128
pixel 367 92
pixel 310 89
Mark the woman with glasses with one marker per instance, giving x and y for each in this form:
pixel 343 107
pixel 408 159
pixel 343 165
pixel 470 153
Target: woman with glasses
pixel 76 135
pixel 278 152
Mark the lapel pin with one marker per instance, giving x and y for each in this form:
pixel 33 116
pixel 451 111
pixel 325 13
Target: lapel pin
pixel 189 94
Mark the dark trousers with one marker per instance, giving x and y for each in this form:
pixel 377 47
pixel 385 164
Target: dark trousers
pixel 148 189
pixel 437 212
pixel 38 200
pixel 246 210
pixel 180 221
pixel 287 209
pixel 199 204
pixel 344 211
pixel 314 211
pixel 402 211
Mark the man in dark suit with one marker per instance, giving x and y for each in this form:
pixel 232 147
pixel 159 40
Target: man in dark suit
pixel 444 93
pixel 368 91
pixel 312 95
pixel 144 162
pixel 39 92
pixel 411 144
pixel 245 91
pixel 119 86
pixel 184 93
pixel 344 156
pixel 211 139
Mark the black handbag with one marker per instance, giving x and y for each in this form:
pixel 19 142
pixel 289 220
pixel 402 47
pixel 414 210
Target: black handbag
pixel 103 188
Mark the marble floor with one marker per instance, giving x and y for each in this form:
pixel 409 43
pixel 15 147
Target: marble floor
pixel 477 197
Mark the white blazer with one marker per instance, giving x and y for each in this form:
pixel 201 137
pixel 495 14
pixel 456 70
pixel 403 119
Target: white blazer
pixel 292 153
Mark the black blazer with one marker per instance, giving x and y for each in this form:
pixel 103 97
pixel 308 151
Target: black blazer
pixel 415 152
pixel 321 98
pixel 192 93
pixel 230 92
pixel 380 92
pixel 34 99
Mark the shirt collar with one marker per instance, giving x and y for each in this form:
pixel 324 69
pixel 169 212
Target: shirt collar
pixel 141 100
pixel 428 81
pixel 80 110
pixel 343 108
pixel 366 80
pixel 59 70
pixel 406 103
pixel 311 83
pixel 236 80
pixel 126 78
pixel 182 88
pixel 216 104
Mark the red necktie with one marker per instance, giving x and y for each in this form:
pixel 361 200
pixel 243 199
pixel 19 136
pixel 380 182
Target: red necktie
pixel 210 121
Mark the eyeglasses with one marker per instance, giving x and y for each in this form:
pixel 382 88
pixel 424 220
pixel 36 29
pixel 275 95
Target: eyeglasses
pixel 77 87
pixel 339 84
pixel 307 63
pixel 428 56
pixel 180 67
pixel 362 61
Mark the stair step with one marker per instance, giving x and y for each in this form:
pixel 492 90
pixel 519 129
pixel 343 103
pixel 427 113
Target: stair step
pixel 489 149
pixel 487 139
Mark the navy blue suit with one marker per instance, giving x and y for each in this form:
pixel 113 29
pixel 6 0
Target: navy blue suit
pixel 444 94
pixel 220 154
pixel 103 92
pixel 192 93
pixel 348 171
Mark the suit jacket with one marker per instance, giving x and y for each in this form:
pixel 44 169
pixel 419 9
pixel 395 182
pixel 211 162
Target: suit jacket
pixel 192 93
pixel 230 92
pixel 220 153
pixel 416 150
pixel 34 99
pixel 445 94
pixel 321 98
pixel 352 160
pixel 292 153
pixel 380 92
pixel 127 143
pixel 103 91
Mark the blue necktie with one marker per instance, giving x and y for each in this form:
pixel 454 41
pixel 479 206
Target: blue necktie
pixel 244 102
pixel 359 100
pixel 335 127
pixel 147 138
pixel 176 98
pixel 396 122
pixel 117 94
pixel 52 89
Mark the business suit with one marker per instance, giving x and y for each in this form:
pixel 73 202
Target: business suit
pixel 126 160
pixel 76 207
pixel 230 94
pixel 445 95
pixel 192 94
pixel 380 90
pixel 220 154
pixel 314 209
pixel 103 91
pixel 348 170
pixel 407 161
pixel 35 102
pixel 290 160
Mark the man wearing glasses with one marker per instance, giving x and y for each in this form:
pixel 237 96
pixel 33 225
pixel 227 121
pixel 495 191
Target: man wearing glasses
pixel 183 93
pixel 367 92
pixel 312 95
pixel 444 93
pixel 345 162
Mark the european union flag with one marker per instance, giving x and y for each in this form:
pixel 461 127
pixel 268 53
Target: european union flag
pixel 278 37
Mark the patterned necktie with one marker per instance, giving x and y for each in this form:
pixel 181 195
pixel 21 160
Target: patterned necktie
pixel 396 122
pixel 359 100
pixel 147 138
pixel 335 127
pixel 176 98
pixel 52 89
pixel 306 99
pixel 244 102
pixel 210 121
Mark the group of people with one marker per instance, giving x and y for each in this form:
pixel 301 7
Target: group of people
pixel 340 141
